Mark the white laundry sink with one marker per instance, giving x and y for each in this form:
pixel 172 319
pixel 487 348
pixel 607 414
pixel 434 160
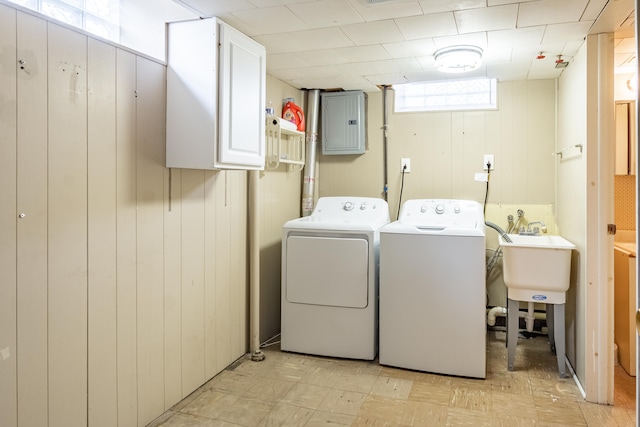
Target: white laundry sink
pixel 537 268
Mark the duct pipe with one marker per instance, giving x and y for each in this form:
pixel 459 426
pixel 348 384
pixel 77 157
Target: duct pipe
pixel 254 267
pixel 309 177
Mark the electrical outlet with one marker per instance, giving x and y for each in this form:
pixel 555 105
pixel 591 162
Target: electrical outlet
pixel 405 164
pixel 488 158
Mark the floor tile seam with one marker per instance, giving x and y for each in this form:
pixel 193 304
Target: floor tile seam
pixel 351 390
pixel 438 403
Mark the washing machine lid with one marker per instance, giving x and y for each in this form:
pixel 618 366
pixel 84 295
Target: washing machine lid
pixel 344 214
pixel 440 216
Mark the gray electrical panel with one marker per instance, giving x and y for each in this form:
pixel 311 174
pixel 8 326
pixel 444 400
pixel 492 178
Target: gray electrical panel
pixel 343 122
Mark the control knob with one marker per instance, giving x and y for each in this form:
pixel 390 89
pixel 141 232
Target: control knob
pixel 348 206
pixel 439 209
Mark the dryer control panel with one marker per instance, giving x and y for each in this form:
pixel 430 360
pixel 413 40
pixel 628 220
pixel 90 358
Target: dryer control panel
pixel 361 210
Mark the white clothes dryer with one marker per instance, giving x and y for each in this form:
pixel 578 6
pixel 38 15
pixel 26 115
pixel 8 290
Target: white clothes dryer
pixel 432 288
pixel 329 300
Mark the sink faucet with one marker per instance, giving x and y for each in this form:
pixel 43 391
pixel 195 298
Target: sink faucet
pixel 535 231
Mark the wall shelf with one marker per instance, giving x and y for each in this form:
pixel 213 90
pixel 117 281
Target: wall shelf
pixel 284 146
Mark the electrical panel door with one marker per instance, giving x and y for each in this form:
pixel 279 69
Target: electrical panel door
pixel 343 122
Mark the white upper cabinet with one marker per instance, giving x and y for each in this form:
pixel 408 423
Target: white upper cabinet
pixel 216 79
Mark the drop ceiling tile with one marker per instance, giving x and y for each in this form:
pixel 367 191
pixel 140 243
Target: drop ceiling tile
pixel 360 68
pixel 358 83
pixel 498 56
pixel 566 32
pixel 238 24
pixel 289 74
pixel 322 57
pixel 487 19
pixel 280 61
pixel 572 48
pixel 382 11
pixel 423 76
pixel 411 48
pixel 427 62
pixel 271 20
pixel 422 27
pixel 627 45
pixel 437 6
pixel 318 72
pixel 324 38
pixel 364 53
pixel 373 32
pixel 326 13
pixel 594 7
pixel 386 79
pixel 392 66
pixel 218 7
pixel 624 59
pixel 270 3
pixel 544 73
pixel 515 38
pixel 336 82
pixel 508 72
pixel 438 75
pixel 544 12
pixel 474 39
pixel 280 43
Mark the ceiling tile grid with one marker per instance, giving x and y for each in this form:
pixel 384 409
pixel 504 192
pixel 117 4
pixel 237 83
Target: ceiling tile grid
pixel 350 43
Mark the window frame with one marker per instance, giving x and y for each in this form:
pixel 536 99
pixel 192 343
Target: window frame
pixel 111 23
pixel 400 96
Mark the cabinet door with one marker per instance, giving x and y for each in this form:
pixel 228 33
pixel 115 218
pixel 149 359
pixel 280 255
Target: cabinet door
pixel 192 94
pixel 242 79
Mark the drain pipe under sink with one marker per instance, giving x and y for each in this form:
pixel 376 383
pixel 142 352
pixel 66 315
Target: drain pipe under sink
pixel 529 316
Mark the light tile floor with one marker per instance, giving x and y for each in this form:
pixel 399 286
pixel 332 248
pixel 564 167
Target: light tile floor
pixel 288 389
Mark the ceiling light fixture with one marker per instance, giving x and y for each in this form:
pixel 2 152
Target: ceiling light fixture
pixel 458 59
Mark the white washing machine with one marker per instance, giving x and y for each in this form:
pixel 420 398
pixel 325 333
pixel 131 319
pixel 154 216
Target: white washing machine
pixel 432 288
pixel 330 278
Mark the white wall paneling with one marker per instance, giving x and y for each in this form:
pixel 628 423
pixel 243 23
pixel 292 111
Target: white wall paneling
pixel 150 216
pixel 8 225
pixel 126 257
pixel 32 196
pixel 124 286
pixel 67 226
pixel 102 235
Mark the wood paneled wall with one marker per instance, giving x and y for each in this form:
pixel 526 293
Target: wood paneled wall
pixel 124 286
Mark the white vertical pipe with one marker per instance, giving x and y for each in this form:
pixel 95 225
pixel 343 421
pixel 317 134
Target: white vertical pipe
pixel 309 177
pixel 531 316
pixel 254 267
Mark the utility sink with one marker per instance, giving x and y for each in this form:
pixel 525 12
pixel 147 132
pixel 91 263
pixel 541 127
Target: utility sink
pixel 537 268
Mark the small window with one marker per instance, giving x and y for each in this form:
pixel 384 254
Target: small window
pixel 99 17
pixel 468 94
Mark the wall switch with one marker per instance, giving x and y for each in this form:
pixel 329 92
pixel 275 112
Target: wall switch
pixel 488 158
pixel 405 164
